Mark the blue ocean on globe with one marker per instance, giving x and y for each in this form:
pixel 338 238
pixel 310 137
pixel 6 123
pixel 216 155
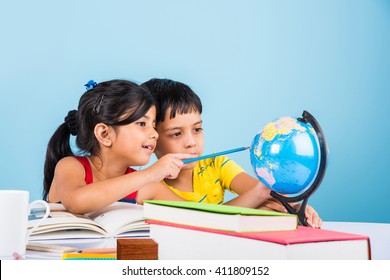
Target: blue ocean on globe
pixel 285 155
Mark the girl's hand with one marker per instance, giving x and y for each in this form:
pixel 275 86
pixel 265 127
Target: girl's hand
pixel 168 166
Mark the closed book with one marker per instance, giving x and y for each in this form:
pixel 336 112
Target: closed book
pixel 182 242
pixel 91 256
pixel 214 216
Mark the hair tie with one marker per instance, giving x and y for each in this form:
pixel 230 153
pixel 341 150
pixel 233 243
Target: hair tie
pixel 71 122
pixel 90 85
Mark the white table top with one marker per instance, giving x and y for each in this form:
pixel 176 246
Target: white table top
pixel 379 234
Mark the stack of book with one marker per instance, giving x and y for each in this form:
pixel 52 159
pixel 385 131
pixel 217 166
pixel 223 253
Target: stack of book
pixel 187 230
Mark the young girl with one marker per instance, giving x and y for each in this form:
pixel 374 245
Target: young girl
pixel 179 125
pixel 114 128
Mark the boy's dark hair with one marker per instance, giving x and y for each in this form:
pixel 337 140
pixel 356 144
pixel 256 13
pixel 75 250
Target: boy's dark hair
pixel 114 103
pixel 169 94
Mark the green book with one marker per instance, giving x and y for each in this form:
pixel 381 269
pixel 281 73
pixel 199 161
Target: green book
pixel 217 216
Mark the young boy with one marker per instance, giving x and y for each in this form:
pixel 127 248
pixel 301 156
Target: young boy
pixel 179 125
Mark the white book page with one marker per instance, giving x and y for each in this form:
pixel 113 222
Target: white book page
pixel 61 219
pixel 114 217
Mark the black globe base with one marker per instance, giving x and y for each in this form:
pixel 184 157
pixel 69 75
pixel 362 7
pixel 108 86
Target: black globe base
pixel 286 201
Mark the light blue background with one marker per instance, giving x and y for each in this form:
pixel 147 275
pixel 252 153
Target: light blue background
pixel 249 61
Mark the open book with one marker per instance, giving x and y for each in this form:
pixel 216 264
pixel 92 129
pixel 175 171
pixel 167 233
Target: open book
pixel 117 220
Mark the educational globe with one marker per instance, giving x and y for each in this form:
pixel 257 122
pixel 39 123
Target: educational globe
pixel 285 155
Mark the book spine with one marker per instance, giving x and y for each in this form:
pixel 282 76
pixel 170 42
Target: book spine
pixel 82 256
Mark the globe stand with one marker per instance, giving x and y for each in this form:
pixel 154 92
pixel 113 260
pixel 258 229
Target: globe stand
pixel 286 200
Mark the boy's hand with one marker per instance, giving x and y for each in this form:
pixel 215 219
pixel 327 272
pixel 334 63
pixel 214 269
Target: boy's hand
pixel 273 205
pixel 312 217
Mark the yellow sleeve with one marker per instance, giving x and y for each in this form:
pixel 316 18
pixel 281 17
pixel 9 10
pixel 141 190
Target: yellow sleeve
pixel 228 170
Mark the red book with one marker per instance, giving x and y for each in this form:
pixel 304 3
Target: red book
pixel 187 242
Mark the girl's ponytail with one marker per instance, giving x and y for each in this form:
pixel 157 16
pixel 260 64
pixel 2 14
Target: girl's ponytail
pixel 58 148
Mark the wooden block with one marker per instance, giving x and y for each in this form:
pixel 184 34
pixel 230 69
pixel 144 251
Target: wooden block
pixel 136 249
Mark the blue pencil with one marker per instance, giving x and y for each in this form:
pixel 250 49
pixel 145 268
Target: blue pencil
pixel 215 154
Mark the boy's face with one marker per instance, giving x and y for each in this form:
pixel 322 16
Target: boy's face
pixel 182 134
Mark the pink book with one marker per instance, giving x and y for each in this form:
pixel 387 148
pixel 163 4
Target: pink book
pixel 300 235
pixel 327 240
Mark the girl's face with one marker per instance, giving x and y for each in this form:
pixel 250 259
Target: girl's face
pixel 136 141
pixel 182 134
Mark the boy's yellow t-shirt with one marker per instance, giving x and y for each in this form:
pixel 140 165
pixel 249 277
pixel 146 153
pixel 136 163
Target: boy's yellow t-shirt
pixel 211 177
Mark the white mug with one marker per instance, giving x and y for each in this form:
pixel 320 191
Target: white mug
pixel 14 211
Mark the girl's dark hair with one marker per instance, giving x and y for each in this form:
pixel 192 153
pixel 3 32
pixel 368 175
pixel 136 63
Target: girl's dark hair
pixel 169 94
pixel 114 103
